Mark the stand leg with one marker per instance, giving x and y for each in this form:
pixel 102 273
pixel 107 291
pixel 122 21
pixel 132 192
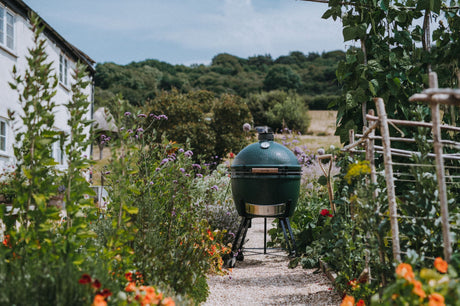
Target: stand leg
pixel 265 235
pixel 290 242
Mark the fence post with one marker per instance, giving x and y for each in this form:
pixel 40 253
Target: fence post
pixel 436 128
pixel 389 177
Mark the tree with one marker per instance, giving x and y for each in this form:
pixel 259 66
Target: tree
pixel 282 77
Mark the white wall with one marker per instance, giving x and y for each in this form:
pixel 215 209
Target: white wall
pixel 23 36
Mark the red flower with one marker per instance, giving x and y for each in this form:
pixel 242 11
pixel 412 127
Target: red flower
pixel 325 212
pixel 231 155
pixel 105 293
pixel 361 303
pixel 129 276
pixel 85 279
pixel 96 284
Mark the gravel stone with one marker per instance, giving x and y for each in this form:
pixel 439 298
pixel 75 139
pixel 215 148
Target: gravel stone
pixel 265 279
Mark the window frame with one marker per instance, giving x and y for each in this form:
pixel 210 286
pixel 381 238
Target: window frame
pixel 7 28
pixel 3 136
pixel 63 69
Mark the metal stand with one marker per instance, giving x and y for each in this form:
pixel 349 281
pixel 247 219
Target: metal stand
pixel 290 241
pixel 237 247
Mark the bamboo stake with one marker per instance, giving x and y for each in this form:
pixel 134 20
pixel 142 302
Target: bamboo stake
pixel 328 179
pixel 435 118
pixel 389 178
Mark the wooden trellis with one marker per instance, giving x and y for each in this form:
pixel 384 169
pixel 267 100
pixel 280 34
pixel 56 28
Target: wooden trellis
pixel 434 97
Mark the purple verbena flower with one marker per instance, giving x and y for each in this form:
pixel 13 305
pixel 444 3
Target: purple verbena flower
pixel 181 150
pixel 140 130
pixel 142 116
pixel 196 166
pixel 164 161
pixel 127 114
pixel 182 170
pixel 215 187
pixel 199 175
pixel 188 153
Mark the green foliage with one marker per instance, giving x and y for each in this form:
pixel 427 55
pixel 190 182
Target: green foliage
pixel 212 126
pixel 390 64
pixel 155 222
pixel 42 256
pixel 309 75
pixel 279 109
pixel 281 77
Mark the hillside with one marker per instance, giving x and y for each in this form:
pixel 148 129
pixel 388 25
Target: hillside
pixel 312 76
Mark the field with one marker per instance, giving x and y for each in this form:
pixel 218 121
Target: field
pixel 321 131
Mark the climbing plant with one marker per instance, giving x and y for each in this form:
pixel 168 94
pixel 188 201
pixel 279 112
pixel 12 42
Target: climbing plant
pixel 391 52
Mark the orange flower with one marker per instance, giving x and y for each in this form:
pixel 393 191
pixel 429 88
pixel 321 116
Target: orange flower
pixel 99 300
pixel 348 301
pixel 168 302
pixel 418 290
pixel 210 234
pixel 361 303
pixel 405 271
pixel 394 296
pixel 440 265
pixel 6 241
pixel 131 287
pixel 436 300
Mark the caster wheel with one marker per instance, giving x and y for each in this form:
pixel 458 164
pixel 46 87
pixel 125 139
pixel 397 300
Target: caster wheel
pixel 231 262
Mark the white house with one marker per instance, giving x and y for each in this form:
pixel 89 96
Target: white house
pixel 16 37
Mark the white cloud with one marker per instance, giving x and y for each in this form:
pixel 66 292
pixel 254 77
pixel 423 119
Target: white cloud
pixel 240 27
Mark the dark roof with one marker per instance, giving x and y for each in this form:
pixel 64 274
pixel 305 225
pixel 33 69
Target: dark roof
pixel 19 7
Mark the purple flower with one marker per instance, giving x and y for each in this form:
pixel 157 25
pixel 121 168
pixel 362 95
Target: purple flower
pixel 321 151
pixel 152 115
pixel 108 172
pixel 215 187
pixel 173 213
pixel 142 115
pixel 157 169
pixel 199 175
pixel 140 130
pixel 196 166
pixel 186 174
pixel 188 153
pixel 298 151
pixel 164 161
pixel 174 181
pixel 181 150
pixel 130 131
pixel 127 114
pixel 151 183
pixel 163 117
pixel 246 127
pixel 182 170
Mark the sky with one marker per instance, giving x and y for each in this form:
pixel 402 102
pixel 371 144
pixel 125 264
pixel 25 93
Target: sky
pixel 190 31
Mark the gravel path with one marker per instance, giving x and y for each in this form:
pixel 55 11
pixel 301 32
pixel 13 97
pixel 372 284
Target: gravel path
pixel 265 279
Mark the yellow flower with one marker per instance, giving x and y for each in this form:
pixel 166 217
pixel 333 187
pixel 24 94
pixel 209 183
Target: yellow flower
pixel 357 170
pixel 440 265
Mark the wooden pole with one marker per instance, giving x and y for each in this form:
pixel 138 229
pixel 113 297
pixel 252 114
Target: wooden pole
pixel 436 129
pixel 389 178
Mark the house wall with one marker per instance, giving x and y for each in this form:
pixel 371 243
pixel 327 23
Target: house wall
pixel 23 39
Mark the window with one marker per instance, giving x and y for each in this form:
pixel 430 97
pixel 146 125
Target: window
pixel 3 135
pixel 57 153
pixel 63 69
pixel 6 28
